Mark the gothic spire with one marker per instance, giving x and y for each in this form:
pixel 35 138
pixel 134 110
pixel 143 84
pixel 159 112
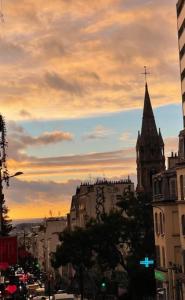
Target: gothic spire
pixel 148 124
pixel 149 148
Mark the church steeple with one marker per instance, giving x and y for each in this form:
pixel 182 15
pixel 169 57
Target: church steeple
pixel 148 124
pixel 149 147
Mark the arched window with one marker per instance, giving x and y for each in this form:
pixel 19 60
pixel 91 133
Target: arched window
pixel 160 186
pixel 182 187
pixel 156 224
pixel 183 224
pixel 161 223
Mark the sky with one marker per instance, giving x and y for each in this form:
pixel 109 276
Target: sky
pixel 71 92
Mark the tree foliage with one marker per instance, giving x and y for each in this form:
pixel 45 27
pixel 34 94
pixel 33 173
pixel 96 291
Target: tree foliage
pixel 139 236
pixel 6 222
pixel 75 248
pixel 98 244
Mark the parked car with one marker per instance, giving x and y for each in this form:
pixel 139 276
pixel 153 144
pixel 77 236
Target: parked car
pixel 63 296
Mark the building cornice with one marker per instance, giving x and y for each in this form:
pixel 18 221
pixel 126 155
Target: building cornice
pixel 167 203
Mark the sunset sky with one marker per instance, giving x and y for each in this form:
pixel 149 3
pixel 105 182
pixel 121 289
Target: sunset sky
pixel 71 92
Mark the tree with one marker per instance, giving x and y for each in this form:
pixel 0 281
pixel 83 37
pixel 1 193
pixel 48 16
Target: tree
pixel 91 250
pixel 97 246
pixel 76 249
pixel 6 222
pixel 105 238
pixel 137 215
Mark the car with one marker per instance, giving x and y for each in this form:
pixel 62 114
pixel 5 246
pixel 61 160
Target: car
pixel 62 296
pixel 41 298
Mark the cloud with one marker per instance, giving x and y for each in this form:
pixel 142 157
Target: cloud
pixel 110 163
pixel 128 138
pixel 58 83
pixel 75 166
pixel 13 127
pixel 24 192
pixel 37 198
pixel 19 140
pixel 65 59
pixel 99 132
pixel 57 55
pixel 24 113
pixel 45 138
pixel 11 52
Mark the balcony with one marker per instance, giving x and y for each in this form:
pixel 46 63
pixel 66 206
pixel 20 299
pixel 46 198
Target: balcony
pixel 164 197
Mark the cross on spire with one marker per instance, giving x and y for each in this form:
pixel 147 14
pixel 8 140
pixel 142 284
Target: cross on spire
pixel 145 73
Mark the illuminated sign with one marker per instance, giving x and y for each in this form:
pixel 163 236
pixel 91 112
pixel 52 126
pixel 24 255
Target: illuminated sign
pixel 160 276
pixel 146 262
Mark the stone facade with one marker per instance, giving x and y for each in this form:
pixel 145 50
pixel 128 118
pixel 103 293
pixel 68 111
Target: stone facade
pixel 84 202
pixel 47 240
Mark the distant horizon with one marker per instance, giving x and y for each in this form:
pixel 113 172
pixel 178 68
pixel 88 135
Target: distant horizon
pixel 27 220
pixel 30 220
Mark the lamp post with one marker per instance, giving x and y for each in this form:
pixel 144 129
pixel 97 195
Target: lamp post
pixel 4 177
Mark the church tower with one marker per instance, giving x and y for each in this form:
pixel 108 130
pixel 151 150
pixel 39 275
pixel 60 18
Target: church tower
pixel 149 148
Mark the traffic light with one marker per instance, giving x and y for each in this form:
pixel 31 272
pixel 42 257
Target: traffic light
pixel 103 286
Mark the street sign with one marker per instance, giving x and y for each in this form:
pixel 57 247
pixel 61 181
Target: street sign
pixel 160 276
pixel 146 262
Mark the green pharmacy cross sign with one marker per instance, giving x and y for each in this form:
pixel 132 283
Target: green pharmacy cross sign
pixel 146 262
pixel 160 276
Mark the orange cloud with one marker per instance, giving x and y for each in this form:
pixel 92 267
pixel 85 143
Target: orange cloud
pixel 55 56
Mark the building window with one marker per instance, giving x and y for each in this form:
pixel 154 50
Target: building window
pixel 181 29
pixel 155 188
pixel 177 255
pixel 157 254
pixel 161 223
pixel 182 52
pixel 183 259
pixel 173 189
pixel 183 96
pixel 163 256
pixel 156 224
pixel 180 7
pixel 183 224
pixel 160 186
pixel 182 187
pixel 175 223
pixel 183 75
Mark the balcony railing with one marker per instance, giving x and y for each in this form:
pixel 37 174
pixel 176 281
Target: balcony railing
pixel 165 198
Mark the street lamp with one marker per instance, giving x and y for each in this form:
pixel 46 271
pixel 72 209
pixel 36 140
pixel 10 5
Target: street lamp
pixel 16 174
pixel 5 177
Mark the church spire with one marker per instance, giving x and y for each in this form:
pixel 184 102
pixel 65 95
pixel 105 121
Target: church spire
pixel 148 124
pixel 149 148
